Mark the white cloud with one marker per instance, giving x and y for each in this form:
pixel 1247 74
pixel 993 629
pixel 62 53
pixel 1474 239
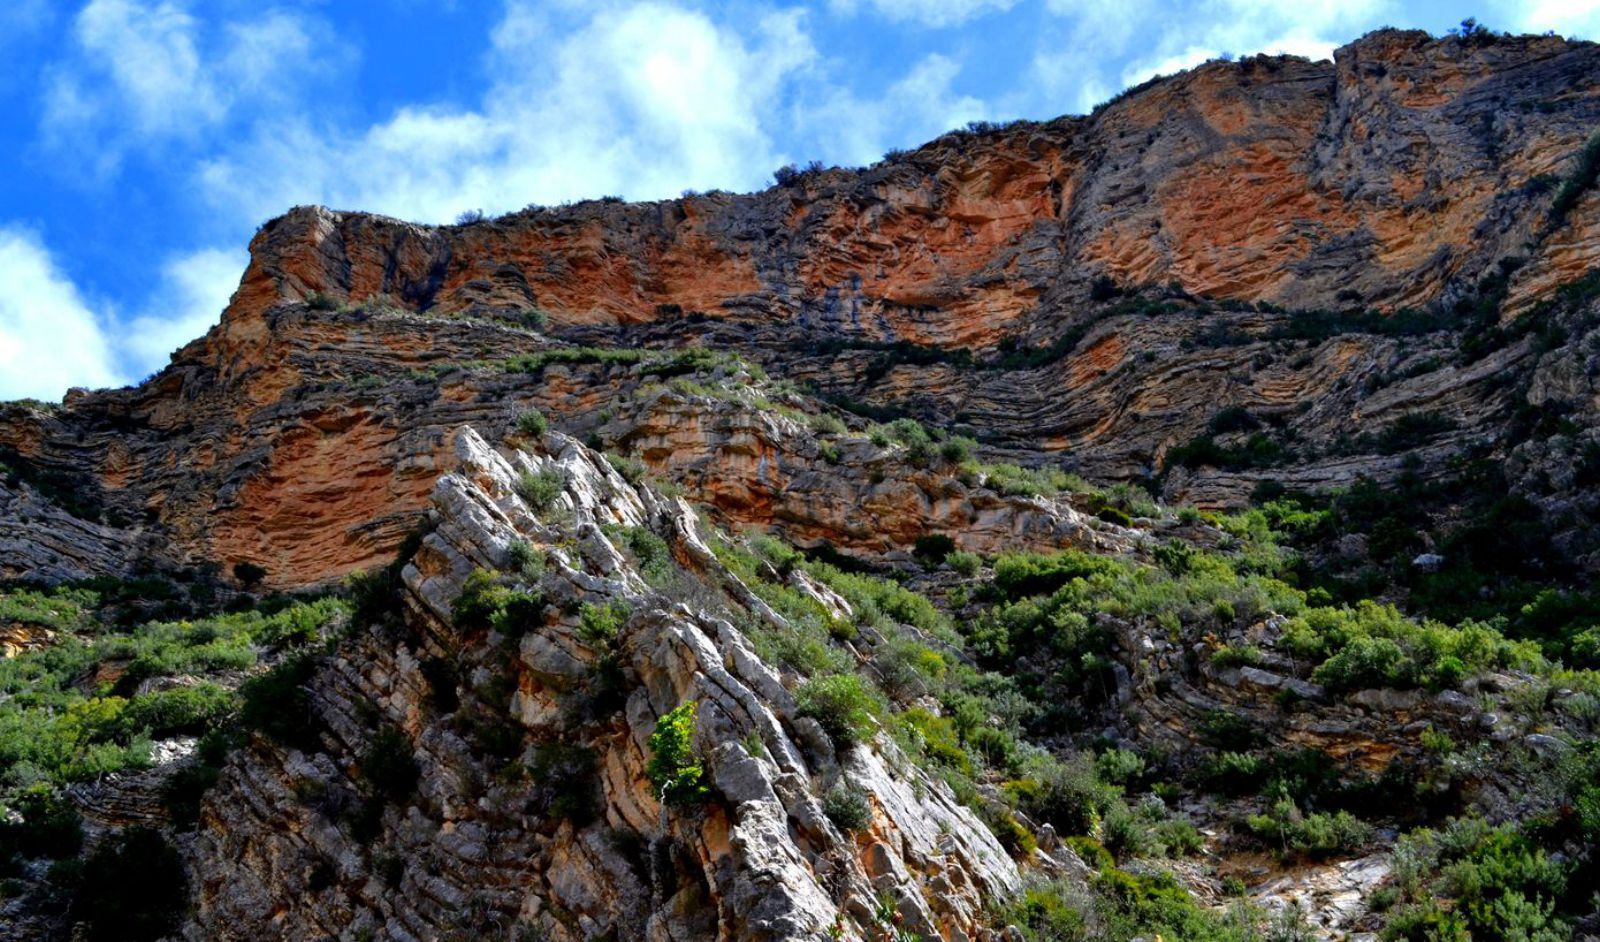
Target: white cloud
pixel 931 13
pixel 145 61
pixel 49 337
pixel 52 337
pixel 1572 18
pixel 1070 70
pixel 144 74
pixel 1292 45
pixel 1245 27
pixel 641 100
pixel 1160 38
pixel 914 109
pixel 269 58
pixel 194 290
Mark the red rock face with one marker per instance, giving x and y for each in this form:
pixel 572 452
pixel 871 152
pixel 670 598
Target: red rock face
pixel 1399 175
pixel 1389 174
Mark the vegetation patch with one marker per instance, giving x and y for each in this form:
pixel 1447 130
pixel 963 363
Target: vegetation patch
pixel 675 769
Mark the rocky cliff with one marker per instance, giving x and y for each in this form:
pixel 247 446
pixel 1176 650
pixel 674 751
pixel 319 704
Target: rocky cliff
pixel 994 388
pixel 1143 267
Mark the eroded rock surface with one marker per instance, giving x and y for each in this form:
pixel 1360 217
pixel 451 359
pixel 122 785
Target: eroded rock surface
pixel 759 860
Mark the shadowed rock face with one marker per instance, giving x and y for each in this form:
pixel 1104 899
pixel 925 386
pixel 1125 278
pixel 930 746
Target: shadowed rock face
pixel 1398 176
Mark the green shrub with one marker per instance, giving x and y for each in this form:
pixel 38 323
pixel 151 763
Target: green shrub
pixel 824 423
pixel 1315 835
pixel 1175 556
pixel 1147 905
pixel 842 705
pixel 1012 835
pixel 375 595
pixel 527 562
pixel 60 609
pixel 999 749
pixel 1426 923
pixel 1233 419
pixel 482 596
pixel 957 449
pixel 486 602
pixel 518 613
pixel 1498 883
pixel 674 768
pixel 922 733
pixel 1023 574
pixel 320 301
pixel 601 623
pixel 632 469
pixel 1365 662
pixel 867 593
pixel 300 625
pixel 651 552
pixel 1581 180
pixel 847 807
pixel 177 710
pixel 1234 773
pixel 41 824
pixel 969 564
pixel 1016 481
pixel 1090 851
pixel 1069 795
pixel 1119 766
pixel 1046 912
pixel 539 489
pixel 1114 515
pixel 1179 837
pixel 531 423
pixel 1227 731
pixel 1236 655
pixel 1259 450
pixel 1585 649
pixel 1126 835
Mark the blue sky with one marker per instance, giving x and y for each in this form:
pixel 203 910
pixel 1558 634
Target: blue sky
pixel 145 140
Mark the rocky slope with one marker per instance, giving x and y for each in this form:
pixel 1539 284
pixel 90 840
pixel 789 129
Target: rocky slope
pixel 762 863
pixel 1253 278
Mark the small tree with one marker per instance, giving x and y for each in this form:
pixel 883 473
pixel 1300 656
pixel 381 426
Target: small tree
pixel 674 768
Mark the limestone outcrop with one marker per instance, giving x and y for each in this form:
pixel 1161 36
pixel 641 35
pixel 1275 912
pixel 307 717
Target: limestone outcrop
pixel 758 859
